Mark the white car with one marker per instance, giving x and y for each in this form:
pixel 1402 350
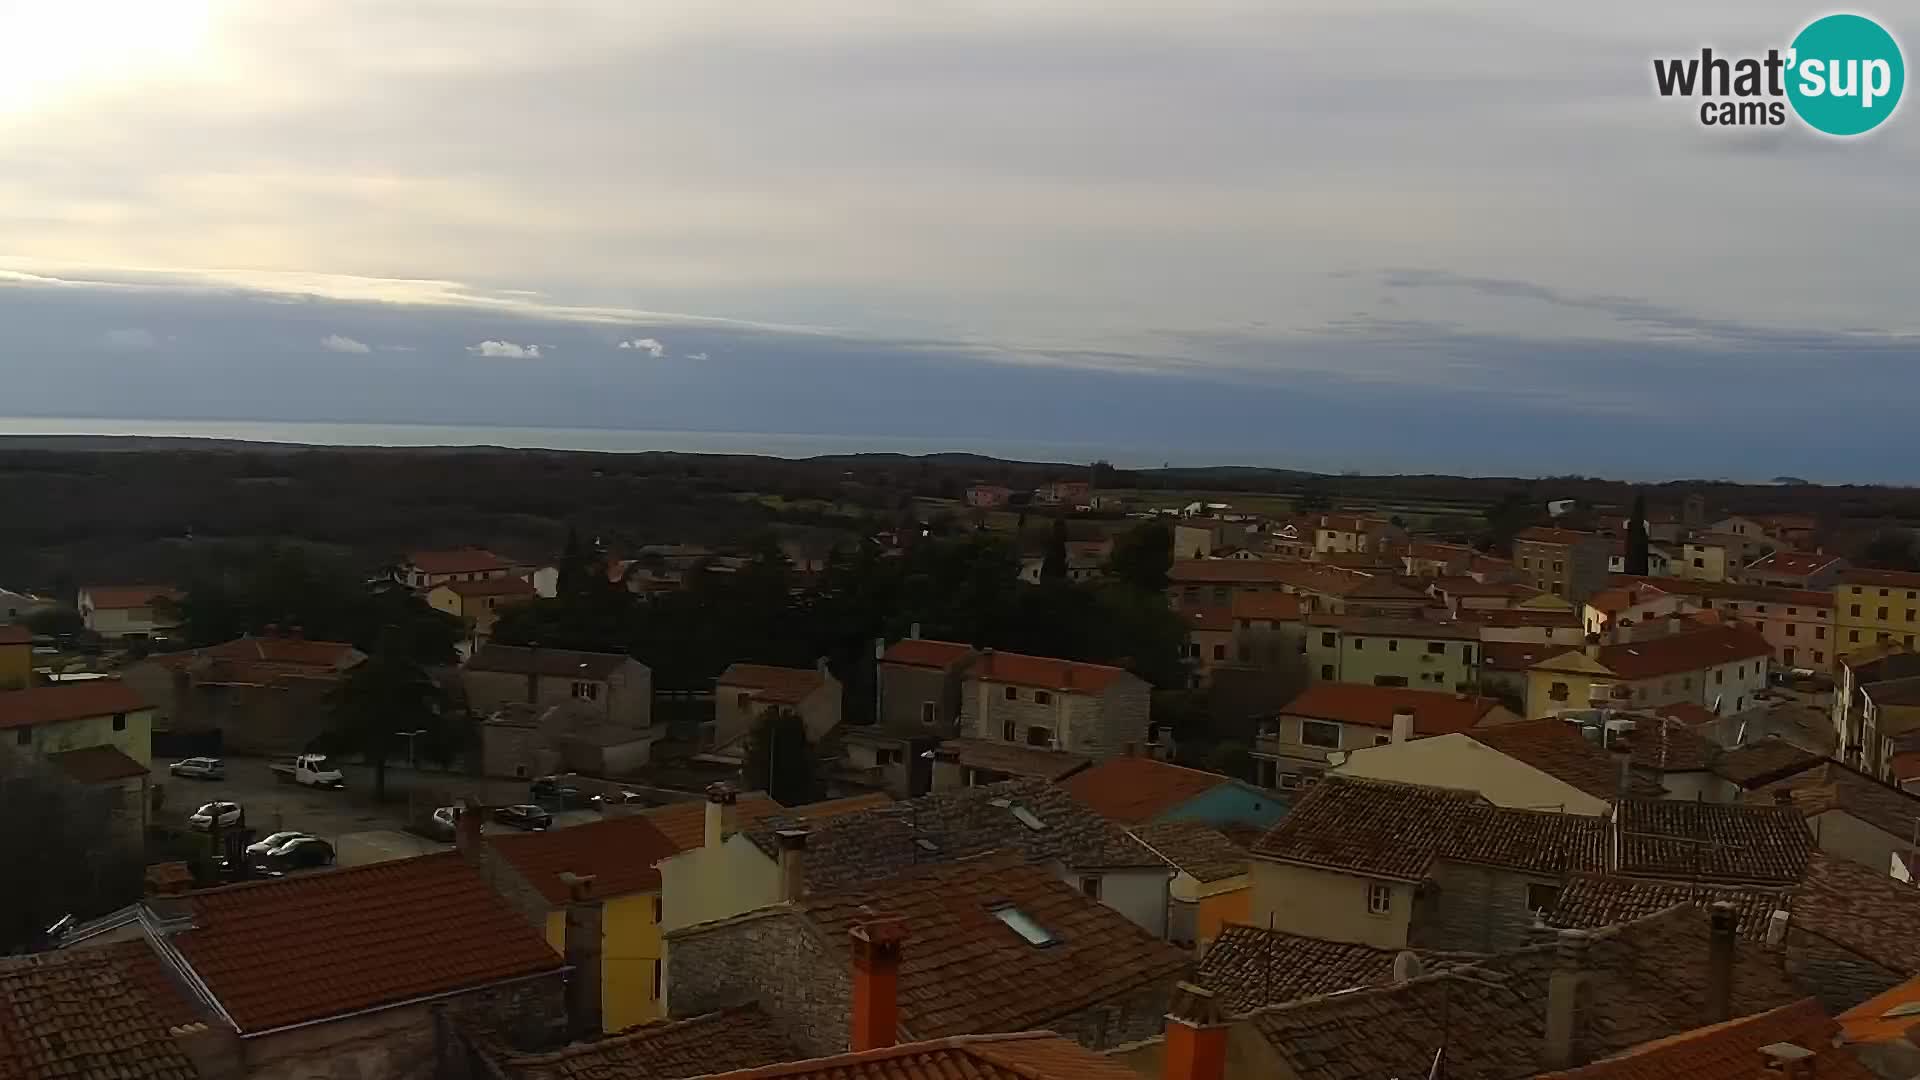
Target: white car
pixel 227 814
pixel 267 844
pixel 200 768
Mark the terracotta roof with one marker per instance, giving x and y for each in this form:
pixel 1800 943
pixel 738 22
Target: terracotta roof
pixel 1833 786
pixel 964 822
pixel 1200 851
pixel 619 852
pixel 1667 744
pixel 1731 1050
pixel 1509 618
pixel 97 764
pixel 77 1016
pixel 1588 901
pixel 1466 586
pixel 462 561
pixel 1218 619
pixel 1035 1055
pixel 1676 653
pixel 921 652
pixel 1540 534
pixel 685 823
pixel 293 651
pixel 1435 550
pixel 1392 830
pixel 1435 712
pixel 965 971
pixel 1760 763
pixel 398 930
pixel 1516 655
pixel 1136 790
pixel 1892 579
pixel 498 586
pixel 781 685
pixel 1047 673
pixel 1615 600
pixel 1558 748
pixel 1251 966
pixel 1799 563
pixel 67 701
pixel 1232 571
pixel 14 634
pixel 1687 712
pixel 127 597
pixel 1711 841
pixel 1014 759
pixel 1885 1017
pixel 1867 912
pixel 1646 980
pixel 1762 594
pixel 738 1038
pixel 553 663
pixel 1279 607
pixel 1384 626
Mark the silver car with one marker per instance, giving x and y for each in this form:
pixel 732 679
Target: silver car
pixel 260 848
pixel 227 814
pixel 199 768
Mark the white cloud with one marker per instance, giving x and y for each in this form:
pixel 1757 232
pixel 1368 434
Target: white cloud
pixel 505 350
pixel 134 338
pixel 651 346
pixel 396 348
pixel 696 356
pixel 342 344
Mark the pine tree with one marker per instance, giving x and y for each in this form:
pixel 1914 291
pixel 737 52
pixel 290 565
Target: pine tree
pixel 1637 544
pixel 1054 566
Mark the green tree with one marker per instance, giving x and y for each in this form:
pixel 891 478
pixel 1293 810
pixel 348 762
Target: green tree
pixel 1054 566
pixel 387 696
pixel 1891 549
pixel 1637 542
pixel 1143 555
pixel 64 854
pixel 779 758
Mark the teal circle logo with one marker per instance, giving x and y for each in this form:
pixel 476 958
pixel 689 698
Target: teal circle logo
pixel 1845 74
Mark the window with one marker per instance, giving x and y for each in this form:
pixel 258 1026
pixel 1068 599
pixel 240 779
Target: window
pixel 1854 610
pixel 1791 611
pixel 1883 592
pixel 1219 652
pixel 1853 636
pixel 928 712
pixel 586 691
pixel 744 700
pixel 119 721
pixel 1039 736
pixel 1818 656
pixel 1819 633
pixel 1021 923
pixel 1700 562
pixel 1856 590
pixel 1882 616
pixel 656 907
pixel 1320 733
pixel 1379 899
pixel 1559 692
pixel 1091 887
pixel 1382 740
pixel 1790 627
pixel 1391 680
pixel 1760 609
pixel 1326 672
pixel 1393 644
pixel 885 756
pixel 1041 697
pixel 1437 647
pixel 1542 897
pixel 1909 614
pixel 1559 567
pixel 1013 693
pixel 1359 643
pixel 1007 731
pixel 1326 639
pixel 24 737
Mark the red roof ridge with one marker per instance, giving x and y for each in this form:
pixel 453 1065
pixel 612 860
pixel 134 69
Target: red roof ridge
pixel 859 1057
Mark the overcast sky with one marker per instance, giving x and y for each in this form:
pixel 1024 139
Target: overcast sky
pixel 1339 233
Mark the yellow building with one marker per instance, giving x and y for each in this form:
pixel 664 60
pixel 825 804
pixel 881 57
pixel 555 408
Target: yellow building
pixel 53 719
pixel 1874 606
pixel 1722 669
pixel 16 657
pixel 1213 887
pixel 479 603
pixel 619 853
pixel 1379 651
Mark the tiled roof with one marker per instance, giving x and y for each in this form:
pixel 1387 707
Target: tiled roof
pixel 1760 763
pixel 1761 594
pixel 1731 1050
pixel 1833 786
pixel 965 822
pixel 1864 911
pixel 1688 651
pixel 1540 534
pixel 1251 966
pixel 1467 586
pixel 1589 901
pixel 140 965
pixel 1893 579
pixel 921 652
pixel 498 586
pixel 1686 712
pixel 1135 790
pixel 1885 1017
pixel 1436 550
pixel 67 701
pixel 1647 980
pixel 685 823
pixel 1516 655
pixel 1218 619
pixel 1435 712
pixel 1711 841
pixel 1013 759
pixel 1558 749
pixel 292 651
pixel 619 852
pixel 1514 618
pixel 14 634
pixel 463 561
pixel 127 597
pixel 966 971
pixel 1383 626
pixel 1233 571
pixel 738 1038
pixel 1046 672
pixel 1198 850
pixel 554 663
pixel 97 764
pixel 76 1016
pixel 1666 744
pixel 782 685
pixel 1279 607
pixel 389 932
pixel 1036 1055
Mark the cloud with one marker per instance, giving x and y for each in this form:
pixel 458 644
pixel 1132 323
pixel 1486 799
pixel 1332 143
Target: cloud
pixel 341 344
pixel 505 350
pixel 134 338
pixel 696 356
pixel 651 346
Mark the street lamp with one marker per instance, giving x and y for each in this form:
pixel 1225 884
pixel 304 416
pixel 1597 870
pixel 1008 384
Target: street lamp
pixel 412 763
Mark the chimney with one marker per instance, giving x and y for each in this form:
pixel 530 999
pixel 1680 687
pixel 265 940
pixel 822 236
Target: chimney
pixel 1407 966
pixel 1778 924
pixel 1622 747
pixel 1196 1039
pixel 876 983
pixel 793 851
pixel 583 945
pixel 468 822
pixel 720 799
pixel 1567 992
pixel 913 631
pixel 1674 623
pixel 1722 920
pixel 1402 725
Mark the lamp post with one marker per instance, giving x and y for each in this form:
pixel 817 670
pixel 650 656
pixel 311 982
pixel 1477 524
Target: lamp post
pixel 412 762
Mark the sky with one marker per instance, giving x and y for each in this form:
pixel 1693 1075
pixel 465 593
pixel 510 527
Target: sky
pixel 1390 235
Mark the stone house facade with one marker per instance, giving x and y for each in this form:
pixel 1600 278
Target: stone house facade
pixel 613 686
pixel 1089 709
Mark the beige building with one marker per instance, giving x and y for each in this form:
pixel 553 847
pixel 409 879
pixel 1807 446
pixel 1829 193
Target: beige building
pixel 46 720
pixel 117 611
pixel 744 691
pixel 612 686
pixel 1210 643
pixel 422 570
pixel 478 604
pixel 1378 651
pixel 1301 743
pixel 1039 701
pixel 1459 760
pixel 1571 565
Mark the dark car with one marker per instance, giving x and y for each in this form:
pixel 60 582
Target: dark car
pixel 555 791
pixel 299 853
pixel 525 816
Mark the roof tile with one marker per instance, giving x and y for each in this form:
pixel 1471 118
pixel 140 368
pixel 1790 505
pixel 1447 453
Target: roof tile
pixel 738 1038
pixel 97 764
pixel 1731 1050
pixel 1039 1055
pixel 923 652
pixel 780 685
pixel 1196 849
pixel 1136 790
pixel 78 1016
pixel 618 852
pixel 1435 712
pixel 1046 672
pixel 461 561
pixel 67 701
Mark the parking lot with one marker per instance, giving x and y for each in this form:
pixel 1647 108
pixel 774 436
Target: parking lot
pixel 360 830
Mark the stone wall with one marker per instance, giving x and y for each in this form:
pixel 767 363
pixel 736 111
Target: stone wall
pixel 1117 1021
pixel 1474 908
pixel 902 690
pixel 1839 978
pixel 774 959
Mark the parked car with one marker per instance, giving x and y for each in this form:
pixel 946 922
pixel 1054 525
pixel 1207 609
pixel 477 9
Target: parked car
pixel 313 770
pixel 199 768
pixel 619 797
pixel 298 853
pixel 558 792
pixel 443 825
pixel 226 814
pixel 524 816
pixel 268 843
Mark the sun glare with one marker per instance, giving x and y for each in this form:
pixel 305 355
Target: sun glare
pixel 50 49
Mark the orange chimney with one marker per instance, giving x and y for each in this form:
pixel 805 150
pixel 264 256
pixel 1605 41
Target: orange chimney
pixel 876 983
pixel 1196 1046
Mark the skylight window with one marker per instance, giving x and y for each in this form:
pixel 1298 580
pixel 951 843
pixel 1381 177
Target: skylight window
pixel 1021 923
pixel 1026 818
pixel 1905 1008
pixel 925 844
pixel 1001 803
